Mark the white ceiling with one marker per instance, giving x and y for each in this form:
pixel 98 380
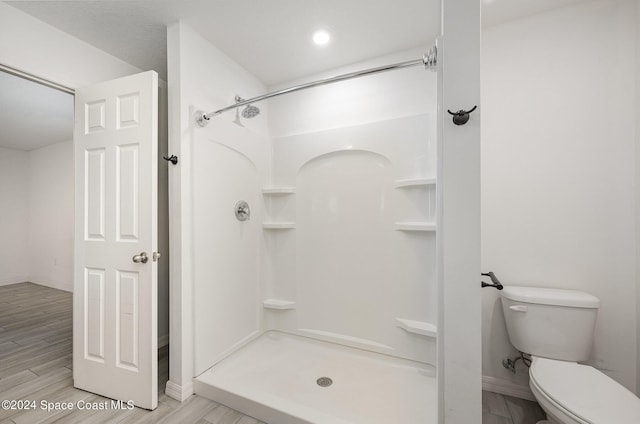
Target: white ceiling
pixel 33 115
pixel 269 38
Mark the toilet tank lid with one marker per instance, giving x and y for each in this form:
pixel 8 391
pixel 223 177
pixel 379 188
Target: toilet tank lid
pixel 545 296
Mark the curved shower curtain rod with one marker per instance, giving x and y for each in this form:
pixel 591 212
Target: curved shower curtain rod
pixel 428 60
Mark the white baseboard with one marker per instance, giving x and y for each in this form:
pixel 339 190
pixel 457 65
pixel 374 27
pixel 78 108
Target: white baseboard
pixel 163 341
pixel 178 392
pixel 52 284
pixel 505 387
pixel 14 280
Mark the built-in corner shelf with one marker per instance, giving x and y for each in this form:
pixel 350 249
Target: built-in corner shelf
pixel 415 226
pixel 418 327
pixel 278 225
pixel 277 191
pixel 415 182
pixel 278 304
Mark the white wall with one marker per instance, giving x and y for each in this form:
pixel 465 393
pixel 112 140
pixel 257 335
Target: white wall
pixel 14 217
pixel 215 280
pixel 558 171
pixel 51 215
pixel 38 185
pixel 389 95
pixel 35 47
pixel 459 365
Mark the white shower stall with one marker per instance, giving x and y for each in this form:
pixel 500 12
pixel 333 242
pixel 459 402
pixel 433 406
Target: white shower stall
pixel 323 305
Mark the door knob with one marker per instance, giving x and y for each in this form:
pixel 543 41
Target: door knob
pixel 141 258
pixel 155 256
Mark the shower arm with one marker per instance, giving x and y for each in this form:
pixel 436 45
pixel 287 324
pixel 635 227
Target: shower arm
pixel 428 60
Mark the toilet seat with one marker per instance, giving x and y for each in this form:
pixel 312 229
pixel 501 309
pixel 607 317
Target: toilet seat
pixel 584 393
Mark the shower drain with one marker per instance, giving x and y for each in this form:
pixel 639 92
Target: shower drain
pixel 324 382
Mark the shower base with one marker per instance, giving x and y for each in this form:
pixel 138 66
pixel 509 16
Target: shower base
pixel 280 379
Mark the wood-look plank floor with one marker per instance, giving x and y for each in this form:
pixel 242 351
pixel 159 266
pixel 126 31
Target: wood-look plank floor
pixel 36 364
pixel 502 409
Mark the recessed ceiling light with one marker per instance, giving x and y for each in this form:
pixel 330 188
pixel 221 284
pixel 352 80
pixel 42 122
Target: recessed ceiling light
pixel 321 37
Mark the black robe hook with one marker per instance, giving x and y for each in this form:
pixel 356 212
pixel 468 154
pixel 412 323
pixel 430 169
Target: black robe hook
pixel 461 117
pixel 173 159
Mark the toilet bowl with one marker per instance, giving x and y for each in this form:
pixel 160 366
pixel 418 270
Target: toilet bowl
pixel 571 393
pixel 556 328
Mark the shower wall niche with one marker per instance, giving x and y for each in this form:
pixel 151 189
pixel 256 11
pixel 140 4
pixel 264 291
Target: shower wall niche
pixel 350 236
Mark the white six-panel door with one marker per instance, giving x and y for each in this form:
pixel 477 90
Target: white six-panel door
pixel 115 290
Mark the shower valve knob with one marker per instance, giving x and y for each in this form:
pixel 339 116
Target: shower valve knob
pixel 242 211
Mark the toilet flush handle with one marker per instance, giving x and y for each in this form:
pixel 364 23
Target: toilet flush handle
pixel 519 308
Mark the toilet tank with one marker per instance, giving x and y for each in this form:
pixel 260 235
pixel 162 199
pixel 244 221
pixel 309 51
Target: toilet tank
pixel 550 323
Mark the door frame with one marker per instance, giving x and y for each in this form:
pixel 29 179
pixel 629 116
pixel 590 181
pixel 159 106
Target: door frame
pixel 44 76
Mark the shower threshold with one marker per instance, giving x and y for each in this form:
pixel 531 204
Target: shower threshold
pixel 280 378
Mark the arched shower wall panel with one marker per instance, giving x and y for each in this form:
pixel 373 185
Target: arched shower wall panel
pixel 227 262
pixel 347 268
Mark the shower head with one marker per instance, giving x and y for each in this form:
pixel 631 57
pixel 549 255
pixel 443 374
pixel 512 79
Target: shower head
pixel 250 111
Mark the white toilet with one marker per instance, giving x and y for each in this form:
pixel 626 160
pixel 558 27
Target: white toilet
pixel 556 328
